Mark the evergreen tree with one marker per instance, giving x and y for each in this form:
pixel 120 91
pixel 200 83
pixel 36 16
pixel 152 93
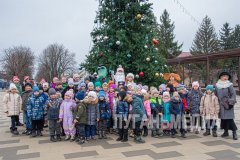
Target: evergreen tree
pixel 169 47
pixel 126 34
pixel 226 37
pixel 206 40
pixel 236 37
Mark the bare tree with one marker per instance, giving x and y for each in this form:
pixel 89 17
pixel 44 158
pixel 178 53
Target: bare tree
pixel 18 61
pixel 54 61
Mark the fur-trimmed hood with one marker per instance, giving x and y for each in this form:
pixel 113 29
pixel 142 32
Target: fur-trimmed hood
pixel 223 84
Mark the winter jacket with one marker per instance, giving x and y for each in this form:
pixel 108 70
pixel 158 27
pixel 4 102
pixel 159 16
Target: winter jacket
pixel 81 115
pixel 166 111
pixel 45 96
pixel 193 101
pixel 176 107
pixel 92 111
pixel 156 106
pixel 138 108
pixel 66 109
pixel 184 101
pixel 110 98
pixel 12 104
pixel 209 106
pixel 122 109
pixel 52 108
pixel 19 88
pixel 64 85
pixel 104 110
pixel 25 97
pixel 147 108
pixel 226 91
pixel 35 107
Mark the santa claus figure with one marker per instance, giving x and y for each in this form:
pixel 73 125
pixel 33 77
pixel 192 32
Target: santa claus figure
pixel 119 76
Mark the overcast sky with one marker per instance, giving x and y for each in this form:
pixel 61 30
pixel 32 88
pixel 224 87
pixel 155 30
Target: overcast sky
pixel 38 23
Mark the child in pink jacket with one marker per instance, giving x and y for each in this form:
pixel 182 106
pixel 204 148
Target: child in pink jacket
pixel 148 112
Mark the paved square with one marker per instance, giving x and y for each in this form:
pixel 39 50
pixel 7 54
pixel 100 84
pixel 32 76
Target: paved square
pixel 193 147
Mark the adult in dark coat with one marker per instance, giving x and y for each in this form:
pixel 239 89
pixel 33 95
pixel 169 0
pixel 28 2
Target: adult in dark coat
pixel 227 99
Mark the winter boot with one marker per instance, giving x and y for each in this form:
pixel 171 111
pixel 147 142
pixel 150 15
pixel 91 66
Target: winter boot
pixel 225 134
pixel 100 135
pixel 29 132
pixel 145 131
pixel 52 139
pixel 81 140
pixel 15 132
pixel 34 133
pixel 104 135
pixel 139 139
pixel 59 138
pixel 39 133
pixel 183 135
pixel 207 133
pixel 25 132
pixel 235 137
pixel 72 138
pixel 67 137
pixel 214 133
pixel 154 134
pixel 159 133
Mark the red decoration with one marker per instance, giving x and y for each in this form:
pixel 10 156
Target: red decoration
pixel 155 41
pixel 141 74
pixel 101 54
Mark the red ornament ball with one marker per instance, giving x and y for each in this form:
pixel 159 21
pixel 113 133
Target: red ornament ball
pixel 101 54
pixel 141 74
pixel 155 41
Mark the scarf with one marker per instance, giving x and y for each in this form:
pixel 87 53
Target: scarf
pixel 223 84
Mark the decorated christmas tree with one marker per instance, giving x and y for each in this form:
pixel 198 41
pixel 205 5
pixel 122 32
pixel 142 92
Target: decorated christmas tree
pixel 127 34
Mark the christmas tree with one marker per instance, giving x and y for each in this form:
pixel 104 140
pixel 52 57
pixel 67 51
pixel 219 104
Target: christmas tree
pixel 127 34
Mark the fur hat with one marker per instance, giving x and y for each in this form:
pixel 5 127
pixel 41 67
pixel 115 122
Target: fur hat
pixel 15 78
pixel 175 94
pixel 35 89
pixel 195 83
pixel 130 75
pixel 12 86
pixel 210 87
pixel 225 73
pixel 70 81
pixel 90 84
pixel 93 94
pixel 51 91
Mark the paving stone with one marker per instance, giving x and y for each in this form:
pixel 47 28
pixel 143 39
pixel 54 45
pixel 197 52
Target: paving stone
pixel 9 141
pixel 224 155
pixel 80 154
pixel 166 144
pixel 220 142
pixel 189 137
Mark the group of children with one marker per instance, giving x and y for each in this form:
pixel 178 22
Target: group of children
pixel 82 111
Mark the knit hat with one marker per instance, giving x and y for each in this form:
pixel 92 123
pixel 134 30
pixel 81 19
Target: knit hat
pixel 90 84
pixel 15 78
pixel 166 94
pixel 69 93
pixel 82 84
pixel 101 94
pixel 113 86
pixel 12 86
pixel 25 78
pixel 195 83
pixel 163 86
pixel 130 75
pixel 145 87
pixel 143 91
pixel 175 94
pixel 87 78
pixel 105 85
pixel 28 84
pixel 97 84
pixel 70 81
pixel 210 87
pixel 35 89
pixel 92 94
pixel 180 87
pixel 51 91
pixel 80 95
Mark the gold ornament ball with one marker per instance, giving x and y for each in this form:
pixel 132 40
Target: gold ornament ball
pixel 157 74
pixel 139 16
pixel 148 59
